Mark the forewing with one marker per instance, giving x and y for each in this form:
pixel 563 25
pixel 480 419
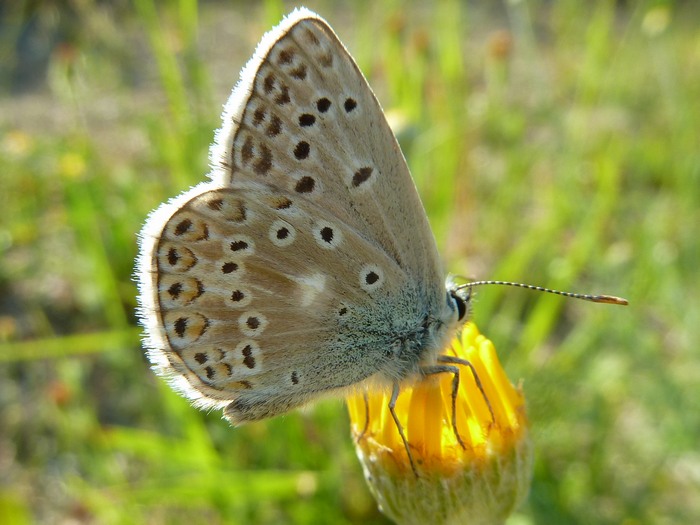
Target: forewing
pixel 304 118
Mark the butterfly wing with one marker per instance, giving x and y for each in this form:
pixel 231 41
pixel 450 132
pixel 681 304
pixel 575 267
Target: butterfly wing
pixel 293 272
pixel 304 118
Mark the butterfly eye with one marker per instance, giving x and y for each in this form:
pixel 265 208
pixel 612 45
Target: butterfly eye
pixel 461 304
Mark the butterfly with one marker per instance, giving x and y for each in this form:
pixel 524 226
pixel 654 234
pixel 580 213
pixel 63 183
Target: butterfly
pixel 305 266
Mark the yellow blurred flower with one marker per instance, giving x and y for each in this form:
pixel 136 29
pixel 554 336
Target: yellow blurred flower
pixel 482 482
pixel 72 165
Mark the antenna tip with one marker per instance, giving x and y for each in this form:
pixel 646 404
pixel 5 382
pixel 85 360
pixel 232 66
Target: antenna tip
pixel 610 299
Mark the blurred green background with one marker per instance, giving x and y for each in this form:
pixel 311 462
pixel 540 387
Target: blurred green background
pixel 554 143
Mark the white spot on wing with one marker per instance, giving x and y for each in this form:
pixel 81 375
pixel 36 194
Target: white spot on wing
pixel 310 287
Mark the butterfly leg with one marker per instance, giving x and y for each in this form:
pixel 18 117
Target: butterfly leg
pixel 364 430
pixel 463 362
pixel 392 409
pixel 454 370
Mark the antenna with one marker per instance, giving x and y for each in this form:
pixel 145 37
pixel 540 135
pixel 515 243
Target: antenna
pixel 607 299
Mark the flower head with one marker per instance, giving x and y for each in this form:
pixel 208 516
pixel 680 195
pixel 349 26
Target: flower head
pixel 480 482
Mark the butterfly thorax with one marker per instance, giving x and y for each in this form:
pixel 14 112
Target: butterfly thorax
pixel 397 335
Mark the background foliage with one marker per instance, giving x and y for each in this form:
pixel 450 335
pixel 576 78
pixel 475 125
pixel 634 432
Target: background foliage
pixel 553 142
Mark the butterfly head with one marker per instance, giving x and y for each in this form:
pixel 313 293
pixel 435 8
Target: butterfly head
pixel 459 299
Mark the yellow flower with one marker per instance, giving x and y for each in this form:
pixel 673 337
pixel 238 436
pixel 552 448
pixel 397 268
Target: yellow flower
pixel 482 482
